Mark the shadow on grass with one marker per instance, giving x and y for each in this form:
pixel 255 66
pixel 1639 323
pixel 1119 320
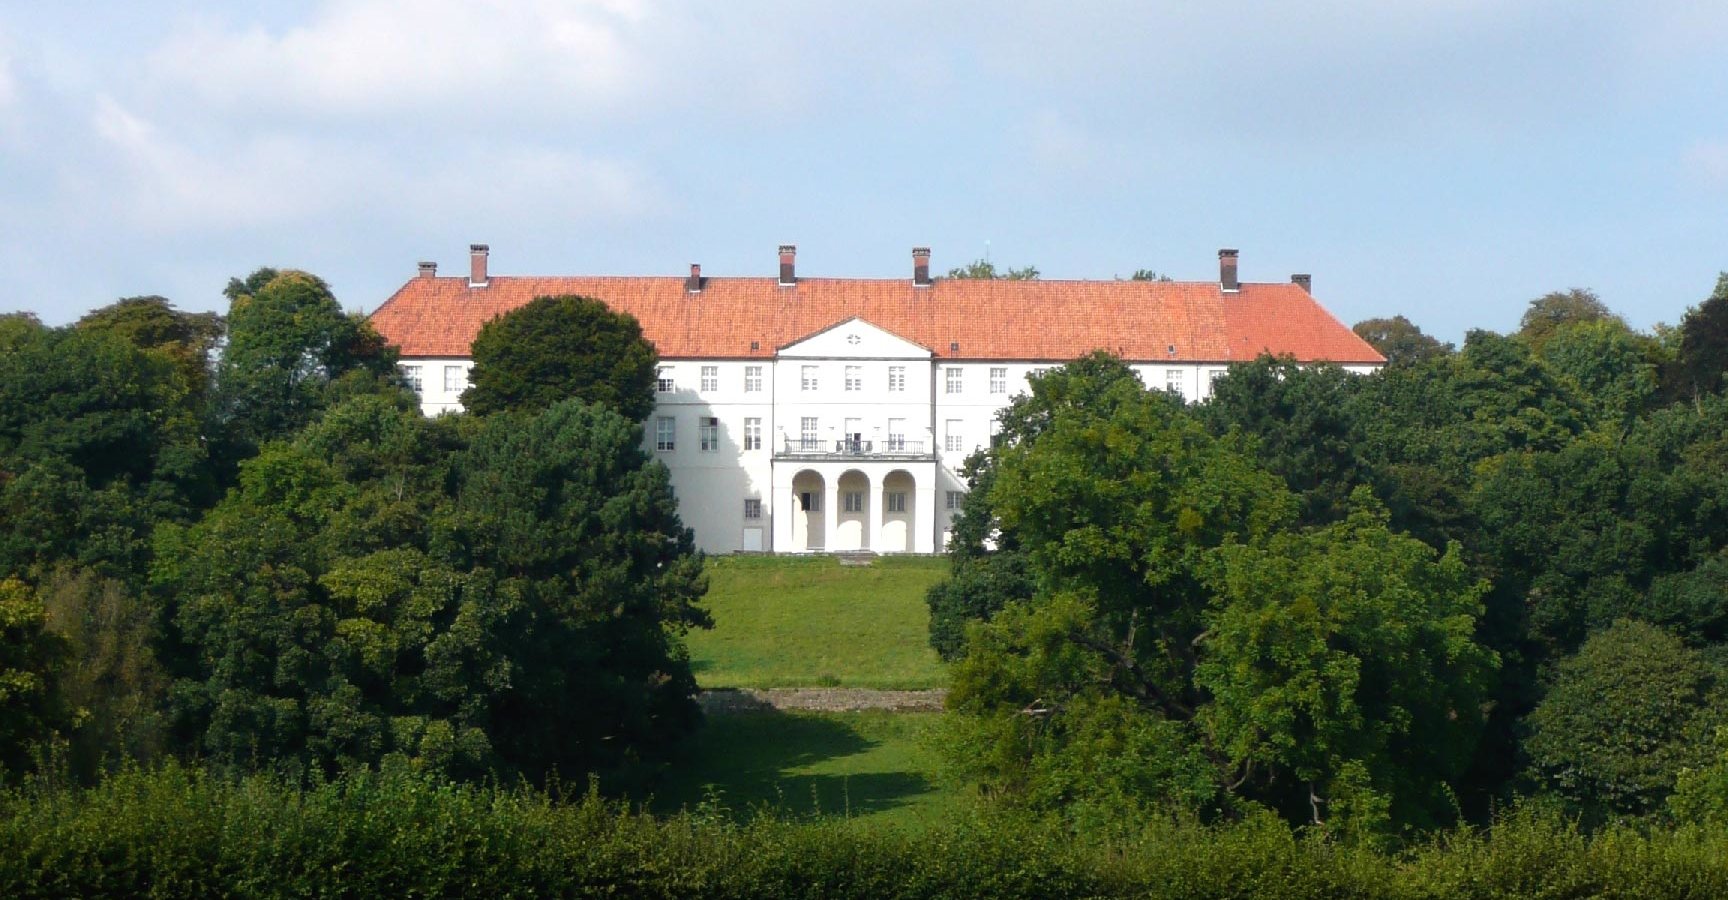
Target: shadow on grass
pixel 746 761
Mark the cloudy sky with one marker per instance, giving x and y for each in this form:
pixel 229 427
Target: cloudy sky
pixel 1446 159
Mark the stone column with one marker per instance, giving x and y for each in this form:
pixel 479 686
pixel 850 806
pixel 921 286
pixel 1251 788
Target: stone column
pixel 830 511
pixel 877 507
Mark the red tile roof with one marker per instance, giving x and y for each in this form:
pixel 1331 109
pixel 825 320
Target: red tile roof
pixel 998 320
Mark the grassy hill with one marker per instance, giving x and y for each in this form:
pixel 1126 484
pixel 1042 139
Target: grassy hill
pixel 811 622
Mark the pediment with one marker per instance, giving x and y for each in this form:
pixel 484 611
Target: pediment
pixel 854 338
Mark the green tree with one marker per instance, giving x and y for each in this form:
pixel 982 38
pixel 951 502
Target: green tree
pixel 984 269
pixel 1148 275
pixel 1400 340
pixel 1703 352
pixel 153 324
pixel 1302 427
pixel 291 352
pixel 1344 659
pixel 110 682
pixel 557 348
pixel 1556 310
pixel 1625 715
pixel 1614 369
pixel 30 657
pixel 496 595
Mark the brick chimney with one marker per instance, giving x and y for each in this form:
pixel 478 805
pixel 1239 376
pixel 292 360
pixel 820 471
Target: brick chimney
pixel 1227 271
pixel 921 266
pixel 477 254
pixel 693 284
pixel 788 267
pixel 428 269
pixel 1304 281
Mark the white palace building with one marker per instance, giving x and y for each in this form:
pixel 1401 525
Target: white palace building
pixel 833 414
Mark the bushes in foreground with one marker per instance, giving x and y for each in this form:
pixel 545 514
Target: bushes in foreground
pixel 182 832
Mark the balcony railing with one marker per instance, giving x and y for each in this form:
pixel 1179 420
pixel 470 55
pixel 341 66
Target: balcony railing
pixel 847 448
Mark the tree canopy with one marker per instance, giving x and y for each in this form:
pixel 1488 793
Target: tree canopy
pixel 556 348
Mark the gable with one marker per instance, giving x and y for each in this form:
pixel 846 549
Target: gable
pixel 853 338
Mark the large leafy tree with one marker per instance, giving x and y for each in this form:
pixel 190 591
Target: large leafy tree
pixel 1625 716
pixel 1556 310
pixel 1302 428
pixel 30 659
pixel 1703 356
pixel 505 595
pixel 291 352
pixel 1346 658
pixel 1400 340
pixel 557 348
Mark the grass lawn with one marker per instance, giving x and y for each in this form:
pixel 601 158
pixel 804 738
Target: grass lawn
pixel 810 622
pixel 879 767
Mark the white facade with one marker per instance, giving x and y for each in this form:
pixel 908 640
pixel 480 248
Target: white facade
pixel 851 439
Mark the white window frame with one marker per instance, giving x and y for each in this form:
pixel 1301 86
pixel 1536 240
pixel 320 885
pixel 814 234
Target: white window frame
pixel 999 379
pixel 752 508
pixel 896 434
pixel 854 378
pixel 710 378
pixel 896 501
pixel 665 433
pixel 956 500
pixel 809 378
pixel 809 433
pixel 411 374
pixel 953 437
pixel 896 379
pixel 752 433
pixel 854 501
pixel 455 379
pixel 954 380
pixel 1175 381
pixel 708 434
pixel 664 383
pixel 752 379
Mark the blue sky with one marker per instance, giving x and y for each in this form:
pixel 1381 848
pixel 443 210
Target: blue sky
pixel 1447 160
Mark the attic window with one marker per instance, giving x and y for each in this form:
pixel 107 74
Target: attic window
pixel 755 345
pixel 953 346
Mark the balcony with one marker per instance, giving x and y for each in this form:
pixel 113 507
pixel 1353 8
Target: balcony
pixel 847 448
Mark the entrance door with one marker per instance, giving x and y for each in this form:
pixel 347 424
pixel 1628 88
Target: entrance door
pixel 854 436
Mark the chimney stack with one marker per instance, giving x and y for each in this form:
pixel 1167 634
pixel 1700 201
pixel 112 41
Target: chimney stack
pixel 788 269
pixel 1303 281
pixel 428 269
pixel 477 254
pixel 921 266
pixel 1227 271
pixel 693 284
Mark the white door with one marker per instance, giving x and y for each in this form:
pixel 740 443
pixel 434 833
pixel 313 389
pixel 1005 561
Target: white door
pixel 753 540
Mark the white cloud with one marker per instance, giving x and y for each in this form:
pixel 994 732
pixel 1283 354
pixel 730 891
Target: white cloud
pixel 170 180
pixel 1707 161
pixel 373 57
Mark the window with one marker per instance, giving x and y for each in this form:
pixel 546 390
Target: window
pixel 897 501
pixel 752 379
pixel 663 380
pixel 811 501
pixel 896 378
pixel 807 438
pixel 995 433
pixel 953 376
pixel 896 434
pixel 999 380
pixel 956 499
pixel 1213 376
pixel 455 380
pixel 808 377
pixel 952 439
pixel 752 507
pixel 411 374
pixel 854 378
pixel 665 433
pixel 708 433
pixel 752 434
pixel 710 378
pixel 854 501
pixel 1173 380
